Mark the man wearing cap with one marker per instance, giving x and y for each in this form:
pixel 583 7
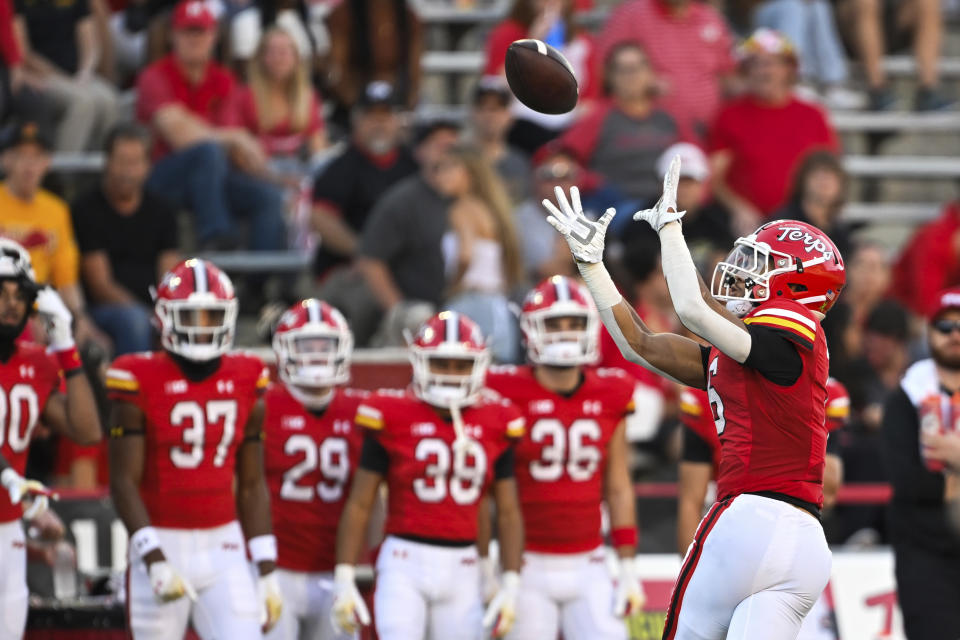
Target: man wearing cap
pixel 40 221
pixel 758 139
pixel 490 120
pixel 922 455
pixel 205 160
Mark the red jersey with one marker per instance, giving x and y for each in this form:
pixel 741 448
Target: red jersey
pixel 309 459
pixel 26 381
pixel 429 495
pixel 773 438
pixel 696 414
pixel 560 463
pixel 192 431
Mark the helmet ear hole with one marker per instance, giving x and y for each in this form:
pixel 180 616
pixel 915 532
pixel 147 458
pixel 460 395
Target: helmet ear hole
pixel 798 288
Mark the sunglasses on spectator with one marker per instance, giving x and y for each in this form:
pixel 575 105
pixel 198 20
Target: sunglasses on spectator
pixel 557 171
pixel 946 326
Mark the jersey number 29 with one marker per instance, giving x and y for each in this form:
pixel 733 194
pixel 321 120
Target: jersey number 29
pixel 331 456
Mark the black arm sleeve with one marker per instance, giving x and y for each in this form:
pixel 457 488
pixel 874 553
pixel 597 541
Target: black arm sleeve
pixel 774 356
pixel 911 480
pixel 373 457
pixel 695 448
pixel 503 467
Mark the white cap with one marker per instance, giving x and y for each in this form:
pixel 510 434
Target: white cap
pixel 693 162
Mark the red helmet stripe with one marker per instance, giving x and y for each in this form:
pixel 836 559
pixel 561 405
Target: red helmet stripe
pixel 200 276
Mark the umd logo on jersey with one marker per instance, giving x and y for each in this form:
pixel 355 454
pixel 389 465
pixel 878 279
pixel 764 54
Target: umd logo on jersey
pixel 423 428
pixel 541 407
pixel 295 423
pixel 174 387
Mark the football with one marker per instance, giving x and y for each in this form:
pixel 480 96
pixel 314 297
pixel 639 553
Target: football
pixel 541 77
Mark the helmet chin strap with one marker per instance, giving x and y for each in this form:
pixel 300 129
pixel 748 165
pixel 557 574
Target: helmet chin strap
pixel 461 441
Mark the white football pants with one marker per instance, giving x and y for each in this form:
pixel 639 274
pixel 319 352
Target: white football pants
pixel 307 600
pixel 13 581
pixel 214 561
pixel 427 592
pixel 753 570
pixel 569 592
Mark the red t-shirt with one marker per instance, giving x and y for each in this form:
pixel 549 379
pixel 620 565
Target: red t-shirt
pixel 561 460
pixel 282 139
pixel 192 431
pixel 214 98
pixel 767 144
pixel 929 263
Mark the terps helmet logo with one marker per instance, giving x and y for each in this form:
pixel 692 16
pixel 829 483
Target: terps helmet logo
pixel 811 243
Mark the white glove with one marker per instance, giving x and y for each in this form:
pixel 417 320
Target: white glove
pixel 271 600
pixel 349 610
pixel 57 317
pixel 169 585
pixel 584 236
pixel 661 214
pixel 489 585
pixel 20 488
pixel 629 597
pixel 502 610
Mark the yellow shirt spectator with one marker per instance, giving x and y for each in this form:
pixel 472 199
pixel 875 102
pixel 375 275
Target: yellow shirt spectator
pixel 44 228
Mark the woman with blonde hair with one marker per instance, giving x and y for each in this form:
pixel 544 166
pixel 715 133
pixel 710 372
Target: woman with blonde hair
pixel 482 250
pixel 280 106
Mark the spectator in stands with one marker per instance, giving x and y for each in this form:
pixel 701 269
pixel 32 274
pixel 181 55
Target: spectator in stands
pixel 924 18
pixel 819 192
pixel 811 26
pixel 204 160
pixel 868 284
pixel 490 120
pixel 623 138
pixel 400 253
pixel 550 21
pixel 373 40
pixel 481 250
pixel 40 221
pixel 345 193
pixel 921 446
pixel 300 19
pixel 758 140
pixel 545 255
pixel 280 107
pixel 690 48
pixel 60 56
pixel 128 240
pixel 929 262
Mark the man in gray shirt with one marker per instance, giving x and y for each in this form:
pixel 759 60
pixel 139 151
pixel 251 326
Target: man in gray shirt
pixel 400 253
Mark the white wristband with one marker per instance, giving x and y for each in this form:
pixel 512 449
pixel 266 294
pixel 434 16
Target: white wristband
pixel 263 548
pixel 9 476
pixel 600 284
pixel 344 573
pixel 144 540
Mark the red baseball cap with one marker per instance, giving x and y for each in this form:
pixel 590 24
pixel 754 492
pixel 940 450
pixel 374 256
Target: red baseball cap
pixel 193 14
pixel 947 300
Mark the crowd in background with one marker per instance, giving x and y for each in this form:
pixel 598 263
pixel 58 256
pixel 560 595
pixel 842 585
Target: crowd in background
pixel 268 126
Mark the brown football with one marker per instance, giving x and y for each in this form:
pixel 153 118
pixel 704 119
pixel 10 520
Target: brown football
pixel 541 77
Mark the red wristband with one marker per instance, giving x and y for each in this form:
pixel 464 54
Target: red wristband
pixel 69 360
pixel 624 537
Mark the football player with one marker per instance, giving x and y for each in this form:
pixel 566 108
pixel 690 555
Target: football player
pixel 572 459
pixel 438 447
pixel 312 447
pixel 30 378
pixel 759 559
pixel 187 425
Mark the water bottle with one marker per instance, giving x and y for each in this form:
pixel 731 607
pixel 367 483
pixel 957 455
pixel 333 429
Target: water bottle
pixel 64 571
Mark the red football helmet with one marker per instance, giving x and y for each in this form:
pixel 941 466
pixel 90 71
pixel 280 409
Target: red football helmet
pixel 313 344
pixel 196 310
pixel 453 336
pixel 560 297
pixel 783 258
pixel 838 404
